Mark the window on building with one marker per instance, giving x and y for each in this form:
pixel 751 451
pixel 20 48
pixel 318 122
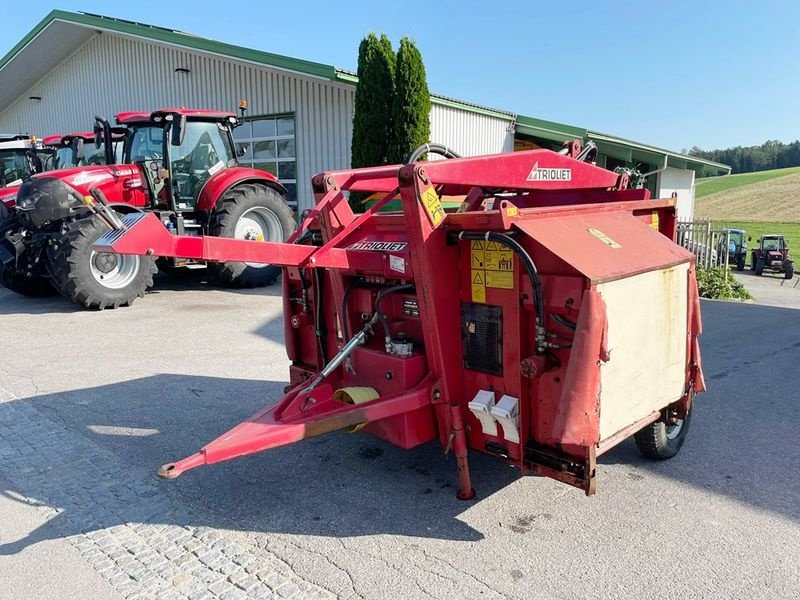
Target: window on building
pixel 268 144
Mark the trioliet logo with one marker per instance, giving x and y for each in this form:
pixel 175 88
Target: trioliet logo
pixel 548 174
pixel 379 246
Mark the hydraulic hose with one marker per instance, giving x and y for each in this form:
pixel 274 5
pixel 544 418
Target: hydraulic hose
pixel 321 330
pixel 431 148
pixel 530 268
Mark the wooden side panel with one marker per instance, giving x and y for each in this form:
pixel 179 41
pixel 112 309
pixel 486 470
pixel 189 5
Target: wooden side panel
pixel 647 328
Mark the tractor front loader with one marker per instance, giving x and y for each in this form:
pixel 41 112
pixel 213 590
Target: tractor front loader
pixel 544 321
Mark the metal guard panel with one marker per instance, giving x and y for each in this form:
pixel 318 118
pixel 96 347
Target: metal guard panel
pixel 604 246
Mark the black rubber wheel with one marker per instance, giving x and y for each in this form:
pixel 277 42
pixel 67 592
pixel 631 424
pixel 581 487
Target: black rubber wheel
pixel 740 263
pixel 660 441
pixel 753 261
pixel 252 212
pixel 97 280
pixel 760 266
pixel 788 271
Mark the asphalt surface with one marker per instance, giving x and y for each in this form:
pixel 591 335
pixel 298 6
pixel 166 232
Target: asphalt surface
pixel 771 289
pixel 347 515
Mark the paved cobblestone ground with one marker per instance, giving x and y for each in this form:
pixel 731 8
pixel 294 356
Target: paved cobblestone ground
pixel 128 530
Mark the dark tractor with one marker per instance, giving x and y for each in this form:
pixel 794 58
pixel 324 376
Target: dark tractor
pixel 177 163
pixel 737 248
pixel 772 254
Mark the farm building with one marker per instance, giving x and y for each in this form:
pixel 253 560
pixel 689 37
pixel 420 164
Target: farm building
pixel 74 65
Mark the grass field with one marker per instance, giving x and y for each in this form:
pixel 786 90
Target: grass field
pixel 791 231
pixel 775 200
pixel 713 185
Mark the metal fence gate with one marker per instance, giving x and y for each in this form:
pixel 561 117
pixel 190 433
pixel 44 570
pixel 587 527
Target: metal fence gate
pixel 711 247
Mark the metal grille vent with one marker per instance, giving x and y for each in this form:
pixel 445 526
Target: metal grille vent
pixel 482 338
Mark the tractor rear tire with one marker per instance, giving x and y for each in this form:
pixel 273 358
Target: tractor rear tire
pixel 760 267
pixel 788 272
pixel 660 441
pixel 252 212
pixel 740 263
pixel 93 279
pixel 753 261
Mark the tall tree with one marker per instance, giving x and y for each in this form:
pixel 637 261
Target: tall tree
pixel 412 103
pixel 372 121
pixel 372 116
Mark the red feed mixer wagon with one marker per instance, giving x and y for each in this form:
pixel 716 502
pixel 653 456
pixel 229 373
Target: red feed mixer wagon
pixel 543 322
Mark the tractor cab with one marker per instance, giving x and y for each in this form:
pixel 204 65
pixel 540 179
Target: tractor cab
pixel 773 243
pixel 19 158
pixel 736 241
pixel 77 150
pixel 178 151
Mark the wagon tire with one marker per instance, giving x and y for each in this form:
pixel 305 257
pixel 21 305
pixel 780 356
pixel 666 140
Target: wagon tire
pixel 660 441
pixel 252 212
pixel 760 267
pixel 789 271
pixel 97 280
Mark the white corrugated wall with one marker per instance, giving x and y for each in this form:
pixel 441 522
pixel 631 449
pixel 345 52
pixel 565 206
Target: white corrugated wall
pixel 113 73
pixel 471 133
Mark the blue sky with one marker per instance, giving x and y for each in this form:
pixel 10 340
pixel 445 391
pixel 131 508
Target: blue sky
pixel 669 73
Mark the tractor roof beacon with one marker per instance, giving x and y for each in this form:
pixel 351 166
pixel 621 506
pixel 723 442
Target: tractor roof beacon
pixel 517 325
pixel 179 164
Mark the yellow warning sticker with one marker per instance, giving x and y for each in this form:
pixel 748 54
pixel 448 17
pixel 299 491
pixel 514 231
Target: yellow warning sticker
pixel 478 279
pixel 500 260
pixel 492 265
pixel 500 279
pixel 604 238
pixel 654 223
pixel 477 254
pixel 433 206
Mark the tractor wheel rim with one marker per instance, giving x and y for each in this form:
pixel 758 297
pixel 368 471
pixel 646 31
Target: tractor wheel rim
pixel 674 430
pixel 113 271
pixel 259 224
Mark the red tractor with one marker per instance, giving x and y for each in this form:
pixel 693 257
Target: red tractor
pixel 78 150
pixel 178 164
pixel 772 254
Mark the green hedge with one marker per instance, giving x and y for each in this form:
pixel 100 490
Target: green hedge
pixel 713 283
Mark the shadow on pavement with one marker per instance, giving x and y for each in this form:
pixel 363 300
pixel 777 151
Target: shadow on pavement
pixel 338 485
pixel 741 445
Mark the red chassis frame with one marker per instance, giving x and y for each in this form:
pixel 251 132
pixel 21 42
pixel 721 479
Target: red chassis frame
pixel 527 194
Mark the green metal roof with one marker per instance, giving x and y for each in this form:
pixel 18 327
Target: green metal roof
pixel 178 38
pixel 617 147
pixel 631 151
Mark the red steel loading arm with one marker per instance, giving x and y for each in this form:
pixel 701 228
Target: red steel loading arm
pixel 284 423
pixel 146 235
